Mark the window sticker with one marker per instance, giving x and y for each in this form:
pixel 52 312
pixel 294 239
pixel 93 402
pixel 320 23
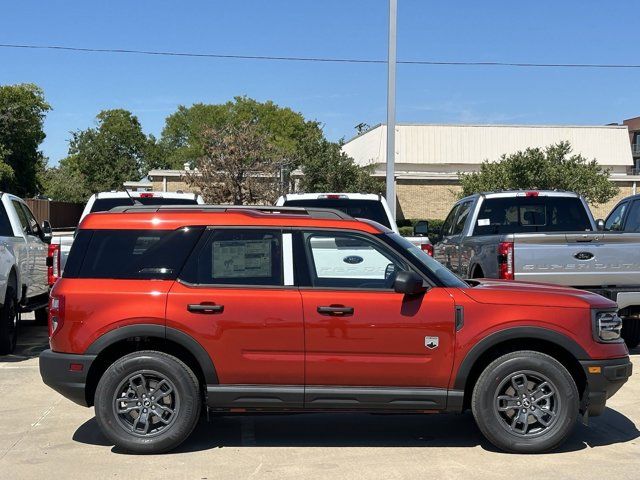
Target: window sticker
pixel 484 222
pixel 242 258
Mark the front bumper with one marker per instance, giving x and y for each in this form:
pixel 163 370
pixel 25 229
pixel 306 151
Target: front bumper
pixel 62 372
pixel 603 384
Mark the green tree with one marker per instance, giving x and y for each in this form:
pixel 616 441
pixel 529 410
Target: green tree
pixel 182 137
pixel 327 169
pixel 65 182
pixel 105 156
pixel 550 168
pixel 22 112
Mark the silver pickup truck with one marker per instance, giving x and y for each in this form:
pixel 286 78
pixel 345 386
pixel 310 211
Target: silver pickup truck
pixel 543 236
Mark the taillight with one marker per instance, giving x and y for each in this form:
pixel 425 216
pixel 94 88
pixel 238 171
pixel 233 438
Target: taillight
pixel 147 195
pixel 56 313
pixel 505 260
pixel 53 264
pixel 428 248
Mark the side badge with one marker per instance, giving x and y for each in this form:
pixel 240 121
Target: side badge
pixel 431 342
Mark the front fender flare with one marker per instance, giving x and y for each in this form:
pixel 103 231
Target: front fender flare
pixel 515 333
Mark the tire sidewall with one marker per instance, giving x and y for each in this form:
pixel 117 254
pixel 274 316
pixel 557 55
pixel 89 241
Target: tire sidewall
pixel 489 420
pixel 187 389
pixel 9 338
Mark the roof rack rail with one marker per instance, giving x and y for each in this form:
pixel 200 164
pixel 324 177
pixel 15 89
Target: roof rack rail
pixel 319 213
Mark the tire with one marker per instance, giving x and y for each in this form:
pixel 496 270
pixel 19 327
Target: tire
pixel 135 374
pixel 9 321
pixel 42 316
pixel 502 384
pixel 631 331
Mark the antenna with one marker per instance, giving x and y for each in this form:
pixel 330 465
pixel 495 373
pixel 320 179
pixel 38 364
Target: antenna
pixel 134 200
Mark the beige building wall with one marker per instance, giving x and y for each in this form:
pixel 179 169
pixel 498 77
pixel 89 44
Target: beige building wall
pixel 425 199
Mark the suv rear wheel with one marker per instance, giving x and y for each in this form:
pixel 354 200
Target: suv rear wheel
pixel 148 402
pixel 525 402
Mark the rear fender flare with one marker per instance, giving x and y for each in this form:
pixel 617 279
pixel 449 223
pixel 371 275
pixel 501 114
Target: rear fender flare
pixel 159 331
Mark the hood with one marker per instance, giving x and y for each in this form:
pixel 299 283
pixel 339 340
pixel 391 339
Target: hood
pixel 508 292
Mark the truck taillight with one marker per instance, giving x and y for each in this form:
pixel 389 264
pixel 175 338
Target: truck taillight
pixel 505 260
pixel 53 264
pixel 56 313
pixel 427 248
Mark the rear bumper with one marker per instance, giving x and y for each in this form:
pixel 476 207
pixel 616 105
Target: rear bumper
pixel 603 385
pixel 57 373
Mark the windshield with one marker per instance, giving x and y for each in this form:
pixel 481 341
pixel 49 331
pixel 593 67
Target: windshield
pixel 446 276
pixel 369 209
pixel 106 204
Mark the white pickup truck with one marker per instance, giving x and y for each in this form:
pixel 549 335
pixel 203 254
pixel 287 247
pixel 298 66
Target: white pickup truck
pixel 358 205
pixel 23 268
pixel 104 201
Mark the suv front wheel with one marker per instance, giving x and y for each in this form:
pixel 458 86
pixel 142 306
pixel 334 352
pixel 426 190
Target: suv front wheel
pixel 525 402
pixel 148 402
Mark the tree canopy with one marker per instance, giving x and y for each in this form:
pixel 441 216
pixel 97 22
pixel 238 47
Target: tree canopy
pixel 550 168
pixel 103 157
pixel 22 112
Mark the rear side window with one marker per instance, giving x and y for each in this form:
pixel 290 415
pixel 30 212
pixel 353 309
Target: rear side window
pixel 5 224
pixel 130 254
pixel 237 257
pixel 369 209
pixel 531 214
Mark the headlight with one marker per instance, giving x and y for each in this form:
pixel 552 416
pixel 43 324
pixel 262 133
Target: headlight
pixel 607 326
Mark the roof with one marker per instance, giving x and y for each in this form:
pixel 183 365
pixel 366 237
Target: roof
pixel 472 144
pixel 173 217
pixel 120 194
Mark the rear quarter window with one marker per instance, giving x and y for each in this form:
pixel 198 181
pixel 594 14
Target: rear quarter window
pixel 130 254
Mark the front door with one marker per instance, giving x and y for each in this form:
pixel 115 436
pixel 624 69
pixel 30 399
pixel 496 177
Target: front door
pixel 236 297
pixel 367 346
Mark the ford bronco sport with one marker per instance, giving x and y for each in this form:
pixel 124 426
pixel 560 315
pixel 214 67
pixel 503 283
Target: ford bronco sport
pixel 276 309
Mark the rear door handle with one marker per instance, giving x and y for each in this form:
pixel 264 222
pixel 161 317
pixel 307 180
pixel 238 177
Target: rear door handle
pixel 206 308
pixel 335 311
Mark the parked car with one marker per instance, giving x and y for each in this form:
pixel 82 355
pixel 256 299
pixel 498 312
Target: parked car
pixel 23 268
pixel 102 202
pixel 161 313
pixel 543 236
pixel 625 216
pixel 358 205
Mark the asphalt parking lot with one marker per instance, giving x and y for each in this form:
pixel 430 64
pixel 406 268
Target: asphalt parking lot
pixel 45 435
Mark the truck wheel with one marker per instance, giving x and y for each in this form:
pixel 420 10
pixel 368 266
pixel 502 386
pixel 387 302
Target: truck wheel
pixel 9 319
pixel 525 402
pixel 148 402
pixel 631 331
pixel 42 316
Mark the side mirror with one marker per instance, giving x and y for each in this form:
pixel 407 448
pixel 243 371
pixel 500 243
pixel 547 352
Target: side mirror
pixel 600 225
pixel 47 232
pixel 409 283
pixel 421 228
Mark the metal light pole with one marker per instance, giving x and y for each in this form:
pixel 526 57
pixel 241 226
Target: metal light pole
pixel 391 108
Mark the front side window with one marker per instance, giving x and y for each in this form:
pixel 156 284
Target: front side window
pixel 615 218
pixel 461 219
pixel 237 257
pixel 448 223
pixel 34 228
pixel 130 254
pixel 24 222
pixel 633 219
pixel 342 260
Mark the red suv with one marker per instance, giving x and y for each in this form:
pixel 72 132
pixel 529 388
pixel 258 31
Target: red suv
pixel 163 311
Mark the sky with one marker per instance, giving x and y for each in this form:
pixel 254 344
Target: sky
pixel 340 96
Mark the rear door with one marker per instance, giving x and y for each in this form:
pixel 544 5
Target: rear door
pixel 236 297
pixel 38 284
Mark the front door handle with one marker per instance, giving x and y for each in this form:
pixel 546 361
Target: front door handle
pixel 207 308
pixel 335 310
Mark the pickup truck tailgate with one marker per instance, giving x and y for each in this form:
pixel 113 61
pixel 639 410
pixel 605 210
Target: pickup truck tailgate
pixel 582 259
